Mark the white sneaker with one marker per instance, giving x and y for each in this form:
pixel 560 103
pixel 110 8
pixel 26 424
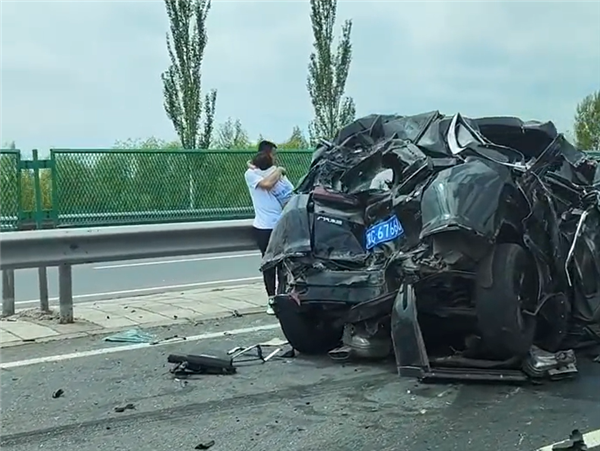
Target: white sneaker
pixel 270 310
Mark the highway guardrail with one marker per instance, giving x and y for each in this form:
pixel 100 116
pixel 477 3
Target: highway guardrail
pixel 64 248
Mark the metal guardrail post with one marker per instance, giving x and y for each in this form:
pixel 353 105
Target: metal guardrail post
pixel 65 293
pixel 8 292
pixel 43 283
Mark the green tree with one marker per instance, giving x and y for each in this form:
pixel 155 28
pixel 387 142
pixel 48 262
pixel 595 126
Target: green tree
pixel 186 43
pixel 151 143
pixel 328 71
pixel 295 141
pixel 231 135
pixel 587 123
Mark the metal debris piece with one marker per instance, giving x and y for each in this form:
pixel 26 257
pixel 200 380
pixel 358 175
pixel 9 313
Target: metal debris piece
pixel 543 364
pixel 238 351
pixel 278 342
pixel 206 445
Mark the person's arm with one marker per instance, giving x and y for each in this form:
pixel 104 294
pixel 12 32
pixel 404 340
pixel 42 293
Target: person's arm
pixel 255 180
pixel 270 180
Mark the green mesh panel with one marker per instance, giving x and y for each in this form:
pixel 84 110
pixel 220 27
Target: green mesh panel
pixel 102 187
pixel 10 191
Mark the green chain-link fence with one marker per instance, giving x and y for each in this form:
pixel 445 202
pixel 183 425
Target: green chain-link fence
pixel 113 187
pixel 10 189
pixel 25 191
pixel 102 187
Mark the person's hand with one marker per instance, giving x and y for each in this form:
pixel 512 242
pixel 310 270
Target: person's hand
pixel 250 165
pixel 282 170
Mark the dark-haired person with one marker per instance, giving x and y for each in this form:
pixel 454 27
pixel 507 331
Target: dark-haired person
pixel 265 147
pixel 269 190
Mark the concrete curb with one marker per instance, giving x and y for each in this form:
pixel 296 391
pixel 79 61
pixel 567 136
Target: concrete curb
pixel 108 330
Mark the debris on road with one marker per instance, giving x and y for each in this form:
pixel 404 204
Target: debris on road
pixel 187 365
pixel 278 342
pixel 58 393
pixel 131 336
pixel 259 351
pixel 465 248
pixel 182 383
pixel 124 408
pixel 541 364
pixel 206 445
pixel 576 442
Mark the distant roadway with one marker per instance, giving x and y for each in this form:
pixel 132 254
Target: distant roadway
pixel 129 278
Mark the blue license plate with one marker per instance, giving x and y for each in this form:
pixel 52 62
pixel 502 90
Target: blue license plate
pixel 383 232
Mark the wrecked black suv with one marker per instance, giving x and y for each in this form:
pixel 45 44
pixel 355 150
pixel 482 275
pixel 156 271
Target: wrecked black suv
pixel 464 247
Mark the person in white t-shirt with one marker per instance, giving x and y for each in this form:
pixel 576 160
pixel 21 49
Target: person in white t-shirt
pixel 269 189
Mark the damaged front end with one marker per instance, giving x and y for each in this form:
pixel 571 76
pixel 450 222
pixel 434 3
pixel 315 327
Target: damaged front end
pixel 465 248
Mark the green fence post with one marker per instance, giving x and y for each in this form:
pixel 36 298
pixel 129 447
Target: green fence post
pixel 54 202
pixel 37 191
pixel 20 212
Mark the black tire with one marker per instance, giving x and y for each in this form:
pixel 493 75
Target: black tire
pixel 500 300
pixel 306 331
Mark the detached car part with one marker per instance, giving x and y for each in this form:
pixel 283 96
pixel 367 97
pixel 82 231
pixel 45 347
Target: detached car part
pixel 186 365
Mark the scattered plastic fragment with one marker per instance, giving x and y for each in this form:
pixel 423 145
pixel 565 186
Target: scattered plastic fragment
pixel 124 408
pixel 58 393
pixel 206 445
pixel 131 336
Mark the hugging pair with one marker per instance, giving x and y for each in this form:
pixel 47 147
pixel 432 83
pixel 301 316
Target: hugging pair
pixel 270 190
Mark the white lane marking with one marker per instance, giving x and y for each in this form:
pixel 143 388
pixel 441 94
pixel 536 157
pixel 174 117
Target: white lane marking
pixel 133 347
pixel 181 260
pixel 591 439
pixel 164 288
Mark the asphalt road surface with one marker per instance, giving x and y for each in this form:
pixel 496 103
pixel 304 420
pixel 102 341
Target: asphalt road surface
pixel 297 404
pixel 120 279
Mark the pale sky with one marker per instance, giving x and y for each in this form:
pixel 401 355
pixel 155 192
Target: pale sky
pixel 82 74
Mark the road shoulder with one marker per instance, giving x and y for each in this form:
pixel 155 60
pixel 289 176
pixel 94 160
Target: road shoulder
pixel 183 307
